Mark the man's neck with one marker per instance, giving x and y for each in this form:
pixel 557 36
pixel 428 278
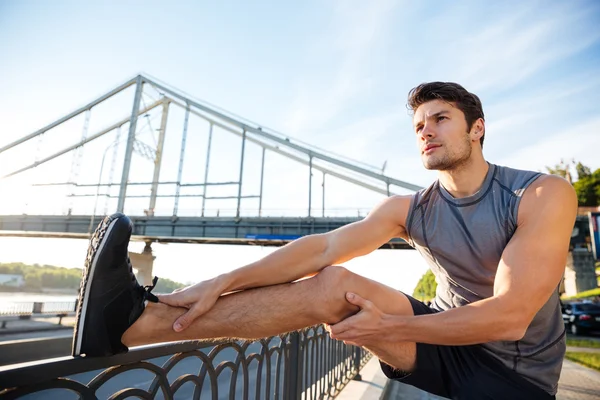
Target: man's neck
pixel 465 180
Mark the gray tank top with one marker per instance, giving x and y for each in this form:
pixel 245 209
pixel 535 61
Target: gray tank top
pixel 462 240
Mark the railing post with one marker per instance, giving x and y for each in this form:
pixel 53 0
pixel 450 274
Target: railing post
pixel 37 308
pixel 357 377
pixel 293 375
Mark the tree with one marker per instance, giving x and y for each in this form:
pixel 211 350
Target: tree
pixel 425 289
pixel 588 189
pixel 38 277
pixel 582 170
pixel 587 185
pixel 561 169
pixel 167 286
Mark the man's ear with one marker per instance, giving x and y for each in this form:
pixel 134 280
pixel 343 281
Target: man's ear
pixel 478 130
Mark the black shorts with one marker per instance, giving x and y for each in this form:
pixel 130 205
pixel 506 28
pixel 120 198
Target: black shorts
pixel 463 372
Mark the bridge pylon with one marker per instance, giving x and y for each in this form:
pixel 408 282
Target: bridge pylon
pixel 143 262
pixel 171 155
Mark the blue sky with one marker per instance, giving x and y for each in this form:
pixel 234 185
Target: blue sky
pixel 331 73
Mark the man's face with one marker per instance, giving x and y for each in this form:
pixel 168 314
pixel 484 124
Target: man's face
pixel 442 135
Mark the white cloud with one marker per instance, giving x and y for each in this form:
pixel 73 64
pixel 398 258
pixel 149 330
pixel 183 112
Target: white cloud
pixel 581 143
pixel 355 29
pixel 517 45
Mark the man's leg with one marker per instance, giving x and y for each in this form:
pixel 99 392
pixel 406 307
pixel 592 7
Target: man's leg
pixel 273 310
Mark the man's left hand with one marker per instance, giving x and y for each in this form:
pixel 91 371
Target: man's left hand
pixel 366 327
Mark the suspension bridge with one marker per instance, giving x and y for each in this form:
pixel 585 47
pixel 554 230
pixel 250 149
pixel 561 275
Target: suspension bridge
pixel 183 170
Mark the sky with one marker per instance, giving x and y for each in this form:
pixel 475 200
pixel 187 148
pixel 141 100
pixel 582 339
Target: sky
pixel 334 74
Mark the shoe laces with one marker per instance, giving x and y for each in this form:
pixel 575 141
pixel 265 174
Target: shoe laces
pixel 147 291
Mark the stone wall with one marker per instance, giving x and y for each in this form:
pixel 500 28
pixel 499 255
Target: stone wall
pixel 580 273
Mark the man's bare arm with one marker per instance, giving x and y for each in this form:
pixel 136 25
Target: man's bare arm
pixel 301 258
pixel 528 274
pixel 310 254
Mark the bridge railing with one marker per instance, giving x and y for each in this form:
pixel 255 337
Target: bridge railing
pixel 299 365
pixel 29 308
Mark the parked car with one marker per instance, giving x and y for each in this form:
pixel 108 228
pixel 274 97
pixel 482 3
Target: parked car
pixel 581 317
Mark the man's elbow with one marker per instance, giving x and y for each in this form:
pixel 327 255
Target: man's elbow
pixel 514 328
pixel 513 334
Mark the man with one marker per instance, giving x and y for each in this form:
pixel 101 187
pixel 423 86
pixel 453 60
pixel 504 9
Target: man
pixel 496 239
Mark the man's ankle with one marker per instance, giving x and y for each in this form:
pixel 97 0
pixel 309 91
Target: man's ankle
pixel 133 336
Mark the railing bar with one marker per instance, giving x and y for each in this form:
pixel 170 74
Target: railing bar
pixel 313 366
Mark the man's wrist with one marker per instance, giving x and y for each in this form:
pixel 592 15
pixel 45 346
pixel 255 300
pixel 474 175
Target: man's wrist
pixel 225 282
pixel 395 327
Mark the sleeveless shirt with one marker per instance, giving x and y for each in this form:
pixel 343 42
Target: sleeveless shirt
pixel 462 240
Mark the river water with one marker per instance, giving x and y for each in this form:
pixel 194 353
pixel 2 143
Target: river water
pixel 21 297
pixel 8 301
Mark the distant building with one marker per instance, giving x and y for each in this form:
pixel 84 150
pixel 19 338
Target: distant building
pixel 12 280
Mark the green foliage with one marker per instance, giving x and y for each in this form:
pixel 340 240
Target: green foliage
pixel 588 189
pixel 583 343
pixel 167 286
pixel 425 289
pixel 582 170
pixel 561 169
pixel 583 295
pixel 48 276
pixel 591 360
pixel 587 185
pixel 44 276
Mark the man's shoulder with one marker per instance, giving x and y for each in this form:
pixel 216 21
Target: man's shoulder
pixel 517 180
pixel 545 195
pixel 423 195
pixel 550 187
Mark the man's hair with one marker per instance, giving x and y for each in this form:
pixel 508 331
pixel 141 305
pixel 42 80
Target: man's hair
pixel 450 92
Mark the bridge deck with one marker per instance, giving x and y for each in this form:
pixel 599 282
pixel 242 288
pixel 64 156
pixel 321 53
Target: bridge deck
pixel 258 231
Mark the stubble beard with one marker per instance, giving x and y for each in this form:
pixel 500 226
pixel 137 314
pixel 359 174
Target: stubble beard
pixel 450 161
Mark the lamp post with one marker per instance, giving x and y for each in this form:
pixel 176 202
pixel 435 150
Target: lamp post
pixel 99 182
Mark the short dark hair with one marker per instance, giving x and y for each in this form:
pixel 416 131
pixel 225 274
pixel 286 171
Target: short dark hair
pixel 451 92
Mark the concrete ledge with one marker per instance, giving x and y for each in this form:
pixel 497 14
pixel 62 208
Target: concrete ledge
pixel 18 351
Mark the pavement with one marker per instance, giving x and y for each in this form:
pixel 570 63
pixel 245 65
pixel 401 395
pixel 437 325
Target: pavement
pixel 578 383
pixel 370 387
pixel 30 328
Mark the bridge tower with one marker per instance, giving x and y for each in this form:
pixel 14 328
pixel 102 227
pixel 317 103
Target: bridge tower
pixel 143 262
pixel 184 171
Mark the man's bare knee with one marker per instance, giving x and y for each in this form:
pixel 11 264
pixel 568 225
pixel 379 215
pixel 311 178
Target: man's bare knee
pixel 332 283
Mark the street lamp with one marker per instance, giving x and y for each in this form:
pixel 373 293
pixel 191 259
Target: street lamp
pixel 99 181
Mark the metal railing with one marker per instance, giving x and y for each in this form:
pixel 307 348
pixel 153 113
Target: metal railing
pixel 33 307
pixel 299 365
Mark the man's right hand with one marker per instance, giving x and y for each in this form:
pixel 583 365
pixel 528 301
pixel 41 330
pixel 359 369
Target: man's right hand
pixel 198 299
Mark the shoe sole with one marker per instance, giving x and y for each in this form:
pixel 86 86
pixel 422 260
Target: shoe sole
pixel 103 230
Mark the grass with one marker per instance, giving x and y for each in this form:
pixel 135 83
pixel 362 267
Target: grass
pixel 582 295
pixel 591 360
pixel 583 343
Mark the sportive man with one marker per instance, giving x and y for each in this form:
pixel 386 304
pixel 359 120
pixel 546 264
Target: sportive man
pixel 495 237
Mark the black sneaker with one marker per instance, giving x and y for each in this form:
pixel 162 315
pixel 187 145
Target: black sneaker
pixel 110 298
